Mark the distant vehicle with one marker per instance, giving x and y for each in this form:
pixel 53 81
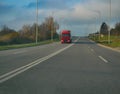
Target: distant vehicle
pixel 66 36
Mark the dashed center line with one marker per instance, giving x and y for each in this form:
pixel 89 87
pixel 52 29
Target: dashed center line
pixel 103 59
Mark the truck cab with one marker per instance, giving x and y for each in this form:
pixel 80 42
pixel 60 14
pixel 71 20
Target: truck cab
pixel 66 36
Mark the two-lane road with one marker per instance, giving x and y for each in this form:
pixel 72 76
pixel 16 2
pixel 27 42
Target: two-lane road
pixel 82 67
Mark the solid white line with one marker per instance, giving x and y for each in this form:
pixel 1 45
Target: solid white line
pixel 19 52
pixel 103 59
pixel 17 71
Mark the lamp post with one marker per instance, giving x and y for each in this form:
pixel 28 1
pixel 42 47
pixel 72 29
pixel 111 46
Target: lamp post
pixel 52 28
pixel 99 17
pixel 109 23
pixel 99 14
pixel 100 23
pixel 95 29
pixel 36 21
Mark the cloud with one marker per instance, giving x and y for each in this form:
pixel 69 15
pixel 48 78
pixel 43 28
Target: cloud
pixel 5 8
pixel 54 4
pixel 74 14
pixel 6 13
pixel 90 11
pixel 90 15
pixel 49 4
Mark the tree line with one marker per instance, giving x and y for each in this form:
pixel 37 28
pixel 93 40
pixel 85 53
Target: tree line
pixel 27 34
pixel 104 29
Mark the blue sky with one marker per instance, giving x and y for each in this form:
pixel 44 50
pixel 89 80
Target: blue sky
pixel 80 16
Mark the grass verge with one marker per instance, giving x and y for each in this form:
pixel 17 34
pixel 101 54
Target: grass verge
pixel 7 47
pixel 114 41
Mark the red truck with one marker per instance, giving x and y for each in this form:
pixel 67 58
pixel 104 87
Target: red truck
pixel 66 36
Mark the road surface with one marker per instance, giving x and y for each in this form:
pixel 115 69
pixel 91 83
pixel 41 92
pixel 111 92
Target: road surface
pixel 82 67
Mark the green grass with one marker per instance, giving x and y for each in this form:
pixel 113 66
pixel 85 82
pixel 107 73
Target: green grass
pixel 114 40
pixel 7 47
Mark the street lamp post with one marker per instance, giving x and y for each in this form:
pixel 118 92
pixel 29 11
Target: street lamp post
pixel 52 31
pixel 100 23
pixel 36 21
pixel 109 23
pixel 99 17
pixel 99 13
pixel 95 28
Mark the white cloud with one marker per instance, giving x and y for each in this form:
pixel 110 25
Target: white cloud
pixel 79 18
pixel 92 13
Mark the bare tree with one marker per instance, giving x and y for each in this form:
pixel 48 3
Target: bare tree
pixel 117 28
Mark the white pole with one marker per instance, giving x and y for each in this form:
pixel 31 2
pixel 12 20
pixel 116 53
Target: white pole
pixel 52 27
pixel 109 23
pixel 99 17
pixel 36 21
pixel 100 23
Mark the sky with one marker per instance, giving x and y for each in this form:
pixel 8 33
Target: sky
pixel 80 16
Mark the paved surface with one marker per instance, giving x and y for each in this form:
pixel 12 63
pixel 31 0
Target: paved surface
pixel 81 68
pixel 117 49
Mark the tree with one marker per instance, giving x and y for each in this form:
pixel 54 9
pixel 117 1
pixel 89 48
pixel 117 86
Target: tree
pixel 43 31
pixel 25 31
pixel 104 29
pixel 117 28
pixel 52 26
pixel 26 34
pixel 6 30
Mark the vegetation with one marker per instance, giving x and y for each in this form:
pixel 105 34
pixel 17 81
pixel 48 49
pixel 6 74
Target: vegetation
pixel 14 46
pixel 28 33
pixel 103 36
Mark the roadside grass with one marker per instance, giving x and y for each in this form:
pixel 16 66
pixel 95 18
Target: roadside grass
pixel 7 47
pixel 114 41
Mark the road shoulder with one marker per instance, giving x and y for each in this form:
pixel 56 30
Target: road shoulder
pixel 117 49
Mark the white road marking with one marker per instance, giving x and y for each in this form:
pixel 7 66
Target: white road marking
pixel 17 71
pixel 88 47
pixel 103 59
pixel 19 52
pixel 92 50
pixel 92 41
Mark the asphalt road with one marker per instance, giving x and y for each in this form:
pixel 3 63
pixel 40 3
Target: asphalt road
pixel 82 67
